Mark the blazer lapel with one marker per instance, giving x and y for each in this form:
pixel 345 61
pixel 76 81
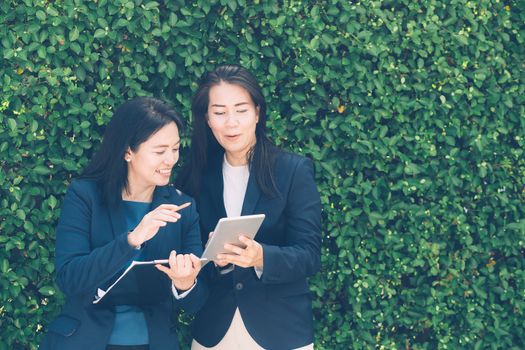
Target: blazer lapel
pixel 214 187
pixel 154 246
pixel 160 196
pixel 251 196
pixel 118 221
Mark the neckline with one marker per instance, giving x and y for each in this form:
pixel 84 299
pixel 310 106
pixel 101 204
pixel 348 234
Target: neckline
pixel 236 167
pixel 126 201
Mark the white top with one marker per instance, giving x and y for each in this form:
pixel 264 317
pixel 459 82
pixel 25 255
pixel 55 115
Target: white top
pixel 235 180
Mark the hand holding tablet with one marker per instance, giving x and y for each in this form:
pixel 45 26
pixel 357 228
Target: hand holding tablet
pixel 228 231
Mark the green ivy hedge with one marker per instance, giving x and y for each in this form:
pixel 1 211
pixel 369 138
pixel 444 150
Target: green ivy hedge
pixel 414 112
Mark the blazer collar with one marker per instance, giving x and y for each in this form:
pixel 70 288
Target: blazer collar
pixel 160 196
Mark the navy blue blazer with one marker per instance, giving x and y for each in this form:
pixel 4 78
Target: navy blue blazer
pixel 276 309
pixel 92 248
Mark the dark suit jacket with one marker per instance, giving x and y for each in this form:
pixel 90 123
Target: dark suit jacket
pixel 276 309
pixel 92 248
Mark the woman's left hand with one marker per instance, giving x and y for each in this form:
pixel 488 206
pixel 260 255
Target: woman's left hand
pixel 183 270
pixel 249 256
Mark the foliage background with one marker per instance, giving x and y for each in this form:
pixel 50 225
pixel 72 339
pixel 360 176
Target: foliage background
pixel 412 110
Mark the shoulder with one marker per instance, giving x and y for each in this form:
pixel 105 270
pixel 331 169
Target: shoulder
pixel 85 188
pixel 289 161
pixel 81 194
pixel 84 185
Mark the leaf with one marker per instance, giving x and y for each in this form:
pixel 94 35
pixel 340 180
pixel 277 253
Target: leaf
pixel 74 34
pixel 463 40
pixel 232 5
pixel 21 214
pixel 40 15
pixel 12 124
pixel 41 170
pixel 99 33
pixel 47 291
pixel 272 69
pixel 52 201
pixel 52 11
pixel 151 5
pixel 4 267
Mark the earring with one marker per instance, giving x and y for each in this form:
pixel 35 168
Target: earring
pixel 128 160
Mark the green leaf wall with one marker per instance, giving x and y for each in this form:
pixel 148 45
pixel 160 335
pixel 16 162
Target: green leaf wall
pixel 413 111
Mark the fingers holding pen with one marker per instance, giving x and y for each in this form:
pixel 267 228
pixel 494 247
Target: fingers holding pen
pixel 196 263
pixel 152 221
pixel 174 207
pixel 165 215
pixel 169 212
pixel 183 269
pixel 166 212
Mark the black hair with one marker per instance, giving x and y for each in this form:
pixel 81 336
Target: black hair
pixel 206 152
pixel 132 124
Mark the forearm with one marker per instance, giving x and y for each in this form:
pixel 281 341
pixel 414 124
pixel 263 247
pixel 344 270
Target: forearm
pixel 78 272
pixel 287 264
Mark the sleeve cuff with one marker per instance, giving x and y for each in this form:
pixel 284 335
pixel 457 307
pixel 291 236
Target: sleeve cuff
pixel 182 295
pixel 258 272
pixel 224 270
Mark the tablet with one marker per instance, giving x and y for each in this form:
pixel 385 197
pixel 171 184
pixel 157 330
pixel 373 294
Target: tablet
pixel 228 230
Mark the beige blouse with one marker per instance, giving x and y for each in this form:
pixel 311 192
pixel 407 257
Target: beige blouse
pixel 238 338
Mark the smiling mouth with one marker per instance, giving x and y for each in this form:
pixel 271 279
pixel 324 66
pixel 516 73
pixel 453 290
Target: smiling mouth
pixel 164 172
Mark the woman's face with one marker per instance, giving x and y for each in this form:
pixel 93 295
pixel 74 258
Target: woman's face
pixel 151 164
pixel 232 117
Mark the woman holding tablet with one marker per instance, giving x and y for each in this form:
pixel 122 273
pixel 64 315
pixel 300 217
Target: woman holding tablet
pixel 120 210
pixel 259 296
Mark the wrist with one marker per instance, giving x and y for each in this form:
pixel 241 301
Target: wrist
pixel 259 263
pixel 183 286
pixel 132 241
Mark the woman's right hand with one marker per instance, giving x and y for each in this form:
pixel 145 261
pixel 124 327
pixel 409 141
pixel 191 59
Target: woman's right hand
pixel 153 221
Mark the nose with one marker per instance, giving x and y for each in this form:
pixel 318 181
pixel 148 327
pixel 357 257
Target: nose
pixel 171 158
pixel 231 119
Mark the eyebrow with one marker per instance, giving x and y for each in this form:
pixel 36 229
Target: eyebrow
pixel 163 146
pixel 235 105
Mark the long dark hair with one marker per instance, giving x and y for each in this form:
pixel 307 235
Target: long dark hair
pixel 206 152
pixel 132 124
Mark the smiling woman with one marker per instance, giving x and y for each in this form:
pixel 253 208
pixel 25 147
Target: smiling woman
pixel 141 144
pixel 111 216
pixel 151 164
